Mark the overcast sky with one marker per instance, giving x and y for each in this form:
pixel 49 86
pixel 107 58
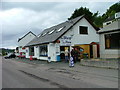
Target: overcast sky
pixel 18 18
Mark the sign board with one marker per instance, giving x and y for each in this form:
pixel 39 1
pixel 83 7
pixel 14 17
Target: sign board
pixel 65 40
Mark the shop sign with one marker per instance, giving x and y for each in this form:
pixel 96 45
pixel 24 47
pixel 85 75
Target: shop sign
pixel 65 40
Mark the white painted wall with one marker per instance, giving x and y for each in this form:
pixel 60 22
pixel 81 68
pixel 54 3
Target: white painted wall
pixel 27 52
pixel 35 52
pixel 21 50
pixel 84 39
pixel 117 15
pixel 66 42
pixel 107 23
pixel 52 51
pixel 107 53
pixel 79 38
pixel 26 39
pixel 76 38
pixel 43 58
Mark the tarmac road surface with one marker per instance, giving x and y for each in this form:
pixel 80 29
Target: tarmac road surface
pixel 23 75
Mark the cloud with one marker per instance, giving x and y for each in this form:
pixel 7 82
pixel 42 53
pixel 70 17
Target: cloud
pixel 35 6
pixel 18 21
pixel 18 18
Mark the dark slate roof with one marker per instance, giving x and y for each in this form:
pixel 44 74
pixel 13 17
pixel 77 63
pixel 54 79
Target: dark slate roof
pixel 55 35
pixel 25 36
pixel 110 18
pixel 113 27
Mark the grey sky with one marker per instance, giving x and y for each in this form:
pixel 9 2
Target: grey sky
pixel 18 18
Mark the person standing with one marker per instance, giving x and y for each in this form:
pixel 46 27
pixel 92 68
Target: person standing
pixel 76 54
pixel 72 54
pixel 66 55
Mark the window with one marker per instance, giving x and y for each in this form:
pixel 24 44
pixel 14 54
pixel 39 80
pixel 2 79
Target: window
pixel 39 35
pixel 51 31
pixel 43 50
pixel 60 29
pixel 107 41
pixel 108 23
pixel 31 51
pixel 44 34
pixel 83 30
pixel 112 41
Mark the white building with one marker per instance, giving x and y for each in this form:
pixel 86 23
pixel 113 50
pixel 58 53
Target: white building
pixel 110 40
pixel 111 19
pixel 24 41
pixel 53 41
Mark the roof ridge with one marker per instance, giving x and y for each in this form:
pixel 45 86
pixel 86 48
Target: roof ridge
pixel 55 35
pixel 26 35
pixel 69 21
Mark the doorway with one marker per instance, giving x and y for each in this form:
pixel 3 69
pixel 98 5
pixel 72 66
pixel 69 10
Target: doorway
pixel 62 52
pixel 94 51
pixel 91 51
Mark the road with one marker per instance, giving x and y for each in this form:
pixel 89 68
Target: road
pixel 17 74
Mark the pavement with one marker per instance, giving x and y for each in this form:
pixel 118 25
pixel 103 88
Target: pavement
pixel 78 67
pixel 23 73
pixel 98 63
pixel 101 63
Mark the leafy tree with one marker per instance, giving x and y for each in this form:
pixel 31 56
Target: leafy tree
pixel 98 21
pixel 95 17
pixel 81 11
pixel 84 11
pixel 3 53
pixel 112 10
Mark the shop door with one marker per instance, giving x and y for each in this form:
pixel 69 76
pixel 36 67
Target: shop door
pixel 91 51
pixel 62 51
pixel 94 51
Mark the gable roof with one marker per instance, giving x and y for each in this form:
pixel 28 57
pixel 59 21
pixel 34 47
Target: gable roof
pixel 26 35
pixel 45 37
pixel 115 26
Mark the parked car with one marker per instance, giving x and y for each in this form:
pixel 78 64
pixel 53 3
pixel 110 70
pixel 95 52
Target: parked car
pixel 10 55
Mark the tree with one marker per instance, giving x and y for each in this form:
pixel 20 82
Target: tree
pixel 95 17
pixel 3 52
pixel 112 10
pixel 82 11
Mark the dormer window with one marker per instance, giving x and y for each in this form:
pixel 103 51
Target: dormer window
pixel 83 30
pixel 60 29
pixel 51 31
pixel 39 35
pixel 44 34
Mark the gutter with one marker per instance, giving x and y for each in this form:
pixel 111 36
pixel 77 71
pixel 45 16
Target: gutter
pixel 108 31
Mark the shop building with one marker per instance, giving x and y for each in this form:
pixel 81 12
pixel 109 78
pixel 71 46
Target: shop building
pixel 21 50
pixel 110 40
pixel 52 42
